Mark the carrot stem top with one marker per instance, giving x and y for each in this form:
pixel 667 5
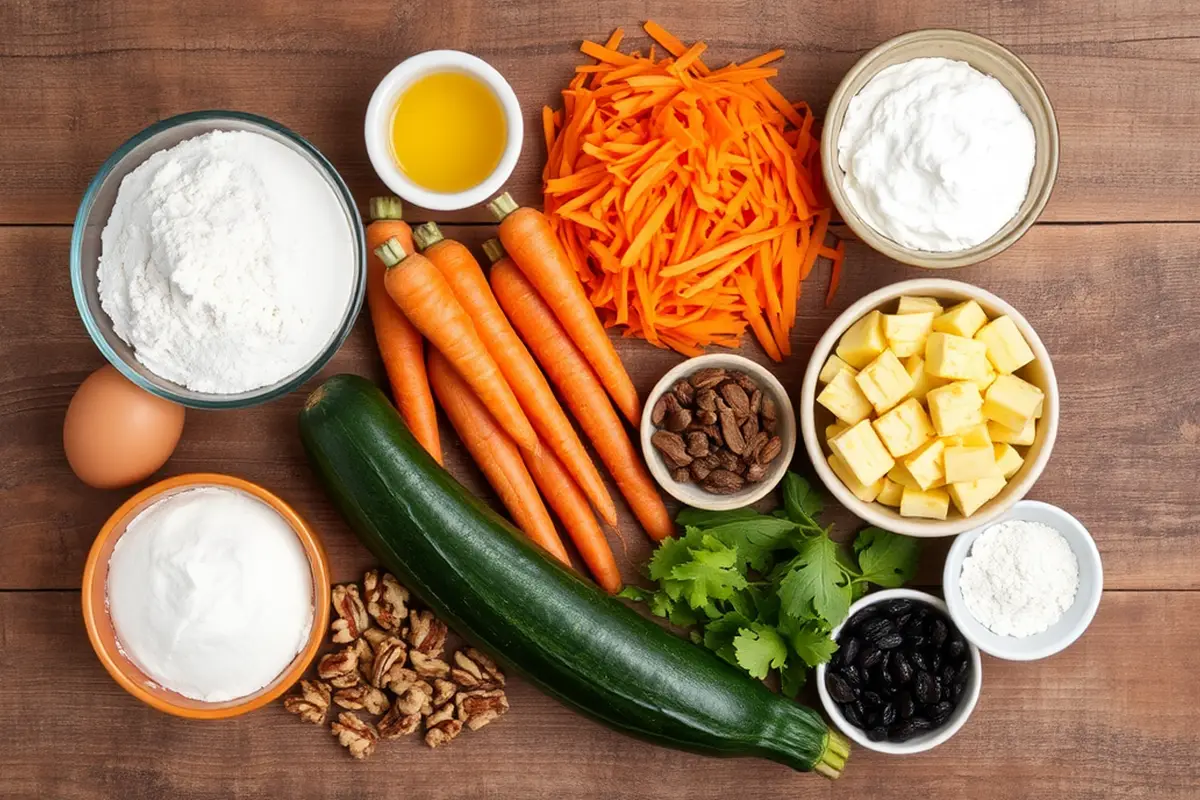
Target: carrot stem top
pixel 391 252
pixel 493 250
pixel 427 235
pixel 502 206
pixel 386 208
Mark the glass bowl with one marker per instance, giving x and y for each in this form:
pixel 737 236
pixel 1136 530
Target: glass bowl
pixel 97 205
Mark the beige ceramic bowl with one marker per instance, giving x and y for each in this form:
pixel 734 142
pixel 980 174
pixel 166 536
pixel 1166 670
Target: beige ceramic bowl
pixel 690 493
pixel 814 418
pixel 987 57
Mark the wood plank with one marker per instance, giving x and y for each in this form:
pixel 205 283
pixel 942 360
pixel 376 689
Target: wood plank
pixel 80 78
pixel 1113 303
pixel 1113 716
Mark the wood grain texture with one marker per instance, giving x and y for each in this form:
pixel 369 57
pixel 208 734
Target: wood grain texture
pixel 1113 717
pixel 1114 305
pixel 1121 74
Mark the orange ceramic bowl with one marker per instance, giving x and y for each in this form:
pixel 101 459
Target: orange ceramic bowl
pixel 103 636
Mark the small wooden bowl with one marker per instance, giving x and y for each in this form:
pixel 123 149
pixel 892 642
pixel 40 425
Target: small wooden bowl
pixel 103 636
pixel 814 418
pixel 989 58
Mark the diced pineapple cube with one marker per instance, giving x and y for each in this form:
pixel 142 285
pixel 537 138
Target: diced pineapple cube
pixel 976 436
pixel 985 378
pixel 1006 435
pixel 1006 347
pixel 900 474
pixel 884 381
pixel 905 428
pixel 865 493
pixel 918 305
pixel 922 380
pixel 906 333
pixel 969 496
pixel 931 504
pixel 834 430
pixel 861 449
pixel 1008 460
pixel 952 441
pixel 964 319
pixel 833 365
pixel 1011 401
pixel 925 465
pixel 843 397
pixel 1037 412
pixel 955 407
pixel 891 493
pixel 964 464
pixel 863 341
pixel 955 357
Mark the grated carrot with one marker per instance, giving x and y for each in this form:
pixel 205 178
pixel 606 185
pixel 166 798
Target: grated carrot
pixel 686 197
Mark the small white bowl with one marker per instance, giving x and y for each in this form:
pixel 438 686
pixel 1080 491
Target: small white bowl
pixel 379 122
pixel 814 418
pixel 929 739
pixel 690 493
pixel 1062 633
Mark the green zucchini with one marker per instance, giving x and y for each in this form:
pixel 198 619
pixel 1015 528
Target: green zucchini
pixel 489 583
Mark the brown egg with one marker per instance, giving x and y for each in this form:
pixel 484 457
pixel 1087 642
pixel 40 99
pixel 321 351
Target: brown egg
pixel 117 434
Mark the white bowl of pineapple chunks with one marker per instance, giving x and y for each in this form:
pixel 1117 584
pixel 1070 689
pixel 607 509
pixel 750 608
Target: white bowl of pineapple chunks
pixel 929 407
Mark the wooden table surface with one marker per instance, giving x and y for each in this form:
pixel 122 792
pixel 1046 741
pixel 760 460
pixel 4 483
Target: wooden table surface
pixel 1109 278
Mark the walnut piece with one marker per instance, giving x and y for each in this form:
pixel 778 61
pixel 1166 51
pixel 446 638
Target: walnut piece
pixel 340 668
pixel 443 691
pixel 387 600
pixel 366 657
pixel 441 727
pixel 426 633
pixel 375 637
pixel 416 699
pixel 476 709
pixel 391 653
pixel 395 723
pixel 428 666
pixel 310 703
pixel 352 614
pixel 475 670
pixel 400 679
pixel 355 735
pixel 362 698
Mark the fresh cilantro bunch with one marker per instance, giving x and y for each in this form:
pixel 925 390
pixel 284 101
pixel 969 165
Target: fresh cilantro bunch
pixel 763 591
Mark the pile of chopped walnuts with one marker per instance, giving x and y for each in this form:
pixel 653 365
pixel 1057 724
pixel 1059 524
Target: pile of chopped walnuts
pixel 400 654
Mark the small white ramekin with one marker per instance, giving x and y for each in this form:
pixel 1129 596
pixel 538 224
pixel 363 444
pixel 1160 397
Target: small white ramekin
pixel 377 128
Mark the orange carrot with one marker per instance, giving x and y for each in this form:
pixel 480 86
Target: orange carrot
pixel 470 286
pixel 496 454
pixel 400 344
pixel 534 247
pixel 571 508
pixel 581 390
pixel 673 187
pixel 427 300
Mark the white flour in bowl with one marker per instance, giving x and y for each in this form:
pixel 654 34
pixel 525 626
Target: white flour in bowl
pixel 227 262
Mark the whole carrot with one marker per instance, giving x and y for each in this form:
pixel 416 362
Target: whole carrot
pixel 470 286
pixel 427 300
pixel 496 454
pixel 579 387
pixel 573 511
pixel 527 236
pixel 400 344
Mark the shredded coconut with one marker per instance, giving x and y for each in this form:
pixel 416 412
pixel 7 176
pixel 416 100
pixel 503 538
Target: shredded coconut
pixel 227 262
pixel 1019 578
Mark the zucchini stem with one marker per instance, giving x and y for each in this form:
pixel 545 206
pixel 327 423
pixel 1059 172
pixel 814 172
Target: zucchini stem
pixel 833 758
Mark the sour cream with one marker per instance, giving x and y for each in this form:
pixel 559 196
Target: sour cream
pixel 937 155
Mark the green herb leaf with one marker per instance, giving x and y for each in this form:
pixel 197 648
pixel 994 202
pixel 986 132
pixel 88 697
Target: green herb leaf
pixel 710 574
pixel 802 502
pixel 759 648
pixel 886 559
pixel 756 539
pixel 699 518
pixel 815 583
pixel 811 641
pixel 792 677
pixel 669 555
pixel 661 605
pixel 720 633
pixel 635 593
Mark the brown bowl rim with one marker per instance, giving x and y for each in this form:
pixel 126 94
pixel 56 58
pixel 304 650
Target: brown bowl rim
pixel 117 664
pixel 1003 238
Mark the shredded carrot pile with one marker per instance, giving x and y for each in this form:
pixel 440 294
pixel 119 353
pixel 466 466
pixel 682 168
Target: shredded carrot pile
pixel 687 197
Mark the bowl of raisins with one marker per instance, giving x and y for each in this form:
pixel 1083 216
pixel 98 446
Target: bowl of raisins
pixel 903 679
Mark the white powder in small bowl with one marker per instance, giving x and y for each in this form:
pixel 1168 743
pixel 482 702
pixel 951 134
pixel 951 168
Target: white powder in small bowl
pixel 1019 578
pixel 227 263
pixel 210 593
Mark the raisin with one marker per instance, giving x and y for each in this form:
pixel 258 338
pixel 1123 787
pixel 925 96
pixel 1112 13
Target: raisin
pixel 851 712
pixel 901 731
pixel 901 670
pixel 839 690
pixel 851 674
pixel 925 687
pixel 861 618
pixel 897 607
pixel 938 633
pixel 875 629
pixel 956 649
pixel 920 723
pixel 848 652
pixel 871 655
pixel 917 660
pixel 877 734
pixel 941 712
pixel 892 640
pixel 905 706
pixel 871 699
